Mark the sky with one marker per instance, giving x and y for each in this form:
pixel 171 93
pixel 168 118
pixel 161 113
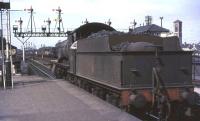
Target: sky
pixel 120 12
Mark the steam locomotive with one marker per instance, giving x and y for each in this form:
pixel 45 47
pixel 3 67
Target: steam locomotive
pixel 136 72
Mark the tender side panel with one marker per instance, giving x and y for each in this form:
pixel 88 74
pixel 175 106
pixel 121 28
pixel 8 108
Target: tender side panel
pixel 103 67
pixel 176 69
pixel 137 69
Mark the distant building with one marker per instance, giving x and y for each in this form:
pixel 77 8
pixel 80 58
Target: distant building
pixel 156 30
pixel 151 29
pixel 178 30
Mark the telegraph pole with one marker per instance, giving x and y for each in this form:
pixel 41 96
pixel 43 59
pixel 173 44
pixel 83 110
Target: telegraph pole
pixel 161 19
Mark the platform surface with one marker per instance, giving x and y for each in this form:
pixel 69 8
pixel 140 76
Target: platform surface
pixel 36 99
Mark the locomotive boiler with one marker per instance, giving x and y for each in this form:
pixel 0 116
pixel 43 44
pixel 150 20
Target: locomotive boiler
pixel 136 72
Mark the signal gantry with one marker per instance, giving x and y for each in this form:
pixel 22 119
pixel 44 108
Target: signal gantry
pixel 43 33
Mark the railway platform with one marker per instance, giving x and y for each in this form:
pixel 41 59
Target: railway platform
pixel 38 99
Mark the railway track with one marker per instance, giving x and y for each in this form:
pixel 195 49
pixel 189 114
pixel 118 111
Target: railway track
pixel 39 69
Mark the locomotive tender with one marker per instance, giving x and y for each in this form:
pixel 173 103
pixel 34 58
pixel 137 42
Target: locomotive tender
pixel 133 71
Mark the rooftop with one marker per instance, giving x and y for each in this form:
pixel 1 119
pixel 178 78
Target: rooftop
pixel 153 28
